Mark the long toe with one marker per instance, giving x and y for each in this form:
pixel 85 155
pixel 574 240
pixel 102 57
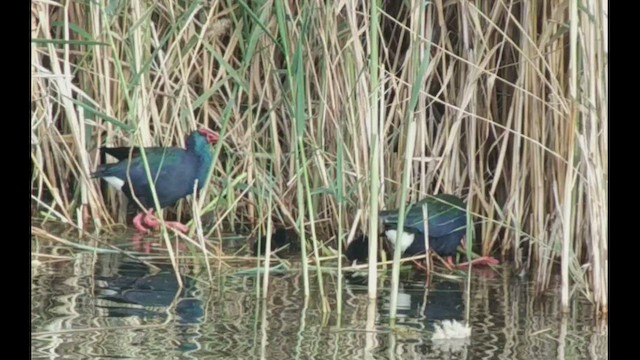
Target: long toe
pixel 449 264
pixel 485 260
pixel 178 226
pixel 138 223
pixel 151 221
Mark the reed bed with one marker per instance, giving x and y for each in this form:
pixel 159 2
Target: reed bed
pixel 318 102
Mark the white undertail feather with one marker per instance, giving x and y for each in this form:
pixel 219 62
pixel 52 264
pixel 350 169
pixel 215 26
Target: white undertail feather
pixel 114 181
pixel 405 241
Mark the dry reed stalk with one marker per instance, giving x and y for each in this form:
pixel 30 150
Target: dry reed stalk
pixel 512 110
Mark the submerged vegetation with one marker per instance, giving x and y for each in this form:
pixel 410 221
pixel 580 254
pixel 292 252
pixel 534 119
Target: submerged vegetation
pixel 325 110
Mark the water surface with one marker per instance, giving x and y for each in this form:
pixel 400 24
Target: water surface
pixel 87 305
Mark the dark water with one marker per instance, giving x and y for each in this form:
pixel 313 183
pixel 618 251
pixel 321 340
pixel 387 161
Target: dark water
pixel 108 306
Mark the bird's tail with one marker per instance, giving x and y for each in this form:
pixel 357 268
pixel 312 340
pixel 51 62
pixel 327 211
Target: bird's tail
pixel 119 152
pixel 99 172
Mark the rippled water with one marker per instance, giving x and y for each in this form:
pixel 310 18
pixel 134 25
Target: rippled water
pixel 95 306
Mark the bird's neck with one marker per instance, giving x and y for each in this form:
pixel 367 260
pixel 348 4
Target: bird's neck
pixel 205 158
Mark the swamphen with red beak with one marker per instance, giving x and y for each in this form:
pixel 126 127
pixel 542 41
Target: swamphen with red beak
pixel 447 228
pixel 174 169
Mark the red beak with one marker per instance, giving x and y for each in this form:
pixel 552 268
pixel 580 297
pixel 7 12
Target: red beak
pixel 212 136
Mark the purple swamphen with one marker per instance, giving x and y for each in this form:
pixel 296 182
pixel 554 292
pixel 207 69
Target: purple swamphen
pixel 447 228
pixel 174 170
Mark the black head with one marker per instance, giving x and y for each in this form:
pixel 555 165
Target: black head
pixel 358 249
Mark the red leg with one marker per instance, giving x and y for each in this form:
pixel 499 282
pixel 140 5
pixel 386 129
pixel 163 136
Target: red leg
pixel 449 264
pixel 177 226
pixel 151 221
pixel 485 260
pixel 139 221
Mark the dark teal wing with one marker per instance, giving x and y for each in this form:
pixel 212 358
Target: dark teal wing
pixel 122 152
pixel 161 161
pixel 447 213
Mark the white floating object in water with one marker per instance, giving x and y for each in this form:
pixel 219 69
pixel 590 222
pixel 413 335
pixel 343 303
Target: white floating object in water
pixel 451 329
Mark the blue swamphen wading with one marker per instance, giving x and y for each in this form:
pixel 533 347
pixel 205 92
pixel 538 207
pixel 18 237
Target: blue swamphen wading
pixel 447 222
pixel 174 170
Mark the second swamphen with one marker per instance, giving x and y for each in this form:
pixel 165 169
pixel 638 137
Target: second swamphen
pixel 175 170
pixel 447 220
